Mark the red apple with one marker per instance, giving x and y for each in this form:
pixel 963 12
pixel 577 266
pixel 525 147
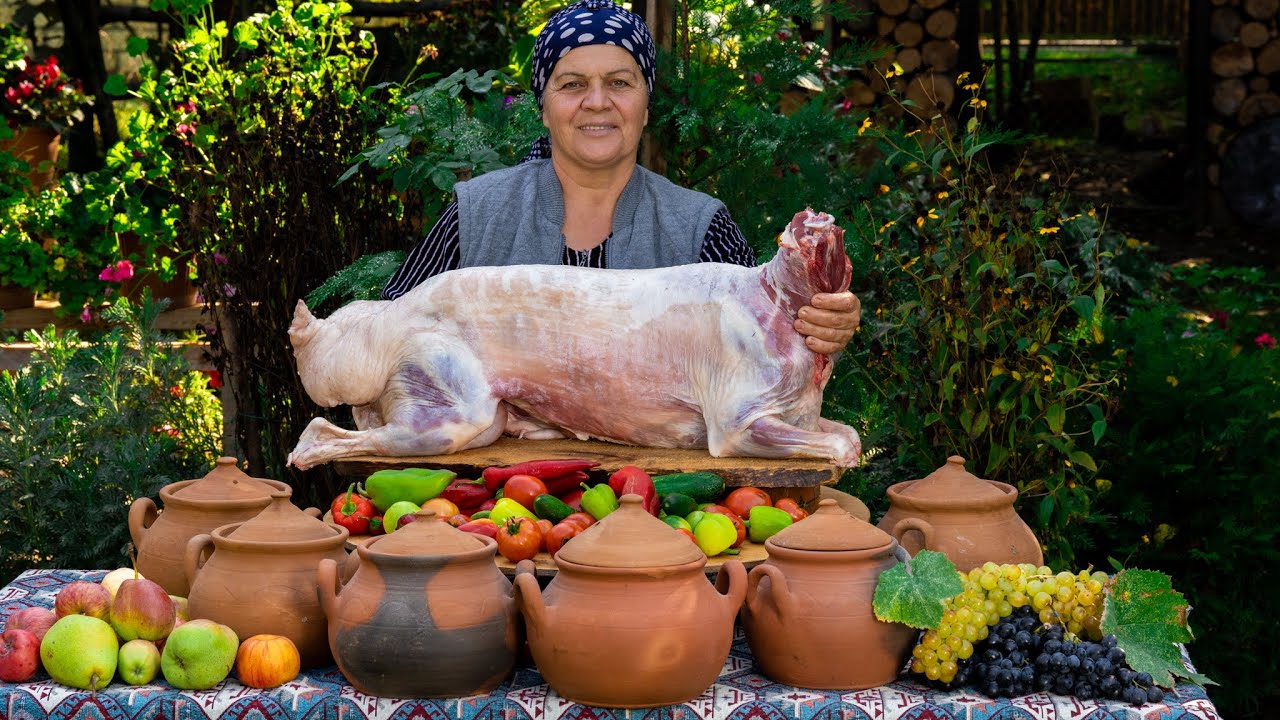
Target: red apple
pixel 83 598
pixel 36 619
pixel 19 655
pixel 142 609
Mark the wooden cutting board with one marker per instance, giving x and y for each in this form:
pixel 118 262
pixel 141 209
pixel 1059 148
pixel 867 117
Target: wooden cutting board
pixel 758 472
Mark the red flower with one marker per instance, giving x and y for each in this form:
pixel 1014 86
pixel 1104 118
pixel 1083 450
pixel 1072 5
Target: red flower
pixel 215 378
pixel 1265 341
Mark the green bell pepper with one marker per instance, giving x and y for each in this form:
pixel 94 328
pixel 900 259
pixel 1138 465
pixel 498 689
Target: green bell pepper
pixel 417 485
pixel 599 501
pixel 714 533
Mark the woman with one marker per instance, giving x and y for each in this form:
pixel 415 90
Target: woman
pixel 580 198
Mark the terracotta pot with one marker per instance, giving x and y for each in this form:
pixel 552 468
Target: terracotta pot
pixel 261 576
pixel 13 297
pixel 36 146
pixel 193 507
pixel 808 616
pixel 970 520
pixel 426 614
pixel 630 619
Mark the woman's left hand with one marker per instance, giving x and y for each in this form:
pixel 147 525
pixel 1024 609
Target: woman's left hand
pixel 828 321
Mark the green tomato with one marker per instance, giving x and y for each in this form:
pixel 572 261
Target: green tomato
pixel 765 522
pixel 694 518
pixel 677 522
pixel 715 533
pixel 391 518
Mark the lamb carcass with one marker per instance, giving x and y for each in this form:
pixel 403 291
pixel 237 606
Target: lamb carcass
pixel 694 356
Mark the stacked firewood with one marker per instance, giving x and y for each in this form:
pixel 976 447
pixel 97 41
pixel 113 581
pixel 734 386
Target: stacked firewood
pixel 921 53
pixel 1245 65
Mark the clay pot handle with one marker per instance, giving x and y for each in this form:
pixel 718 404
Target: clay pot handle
pixel 327 583
pixel 194 559
pixel 142 513
pixel 779 592
pixel 314 512
pixel 527 594
pixel 921 526
pixel 736 590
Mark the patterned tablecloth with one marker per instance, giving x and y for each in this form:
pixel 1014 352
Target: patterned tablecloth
pixel 740 693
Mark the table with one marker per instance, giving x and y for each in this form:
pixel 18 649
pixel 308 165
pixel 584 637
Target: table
pixel 738 694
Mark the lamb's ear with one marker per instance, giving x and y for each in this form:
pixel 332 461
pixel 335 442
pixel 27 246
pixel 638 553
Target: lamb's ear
pixel 304 325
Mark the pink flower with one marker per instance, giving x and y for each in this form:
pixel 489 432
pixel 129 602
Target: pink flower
pixel 121 271
pixel 187 107
pixel 757 78
pixel 219 258
pixel 184 129
pixel 85 315
pixel 1265 341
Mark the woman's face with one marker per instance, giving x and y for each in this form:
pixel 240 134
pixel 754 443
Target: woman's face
pixel 596 106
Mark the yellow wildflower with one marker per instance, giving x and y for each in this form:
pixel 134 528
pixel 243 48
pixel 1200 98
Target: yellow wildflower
pixel 60 264
pixel 972 86
pixel 920 221
pixel 943 195
pixel 977 102
pixel 962 77
pixel 933 214
pixel 865 124
pixel 1171 380
pixel 884 188
pixel 913 132
pixel 1049 230
pixel 886 226
pixel 1093 213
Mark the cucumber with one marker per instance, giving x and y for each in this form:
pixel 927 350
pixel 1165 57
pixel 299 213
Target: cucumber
pixel 703 487
pixel 678 504
pixel 550 507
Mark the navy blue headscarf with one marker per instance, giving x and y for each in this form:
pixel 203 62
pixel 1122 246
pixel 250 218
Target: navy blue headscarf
pixel 591 22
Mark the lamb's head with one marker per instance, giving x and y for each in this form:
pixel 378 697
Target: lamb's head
pixel 811 257
pixel 337 358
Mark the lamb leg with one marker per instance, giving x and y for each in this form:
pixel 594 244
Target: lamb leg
pixel 770 436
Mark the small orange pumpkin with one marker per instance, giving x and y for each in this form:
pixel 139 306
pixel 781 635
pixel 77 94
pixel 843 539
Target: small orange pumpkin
pixel 266 661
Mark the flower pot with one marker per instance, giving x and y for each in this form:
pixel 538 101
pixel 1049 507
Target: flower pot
pixel 13 297
pixel 35 146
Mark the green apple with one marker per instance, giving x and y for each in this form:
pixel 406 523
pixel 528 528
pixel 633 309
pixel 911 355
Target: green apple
pixel 80 651
pixel 139 662
pixel 198 654
pixel 391 518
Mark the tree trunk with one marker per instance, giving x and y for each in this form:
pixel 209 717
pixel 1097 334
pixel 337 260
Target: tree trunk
pixel 1262 9
pixel 909 59
pixel 932 93
pixel 941 55
pixel 941 24
pixel 1268 60
pixel 1224 24
pixel 1228 94
pixel 908 34
pixel 82 48
pixel 1254 34
pixel 893 7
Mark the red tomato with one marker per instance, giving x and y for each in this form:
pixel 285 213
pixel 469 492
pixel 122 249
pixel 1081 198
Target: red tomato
pixel 737 521
pixel 742 499
pixel 792 508
pixel 544 526
pixel 519 538
pixel 523 489
pixel 581 519
pixel 562 533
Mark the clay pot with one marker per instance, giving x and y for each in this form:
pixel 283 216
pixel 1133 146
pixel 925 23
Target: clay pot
pixel 970 520
pixel 630 620
pixel 808 616
pixel 38 147
pixel 261 576
pixel 426 614
pixel 193 507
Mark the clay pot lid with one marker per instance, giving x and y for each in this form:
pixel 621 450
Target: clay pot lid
pixel 282 521
pixel 831 529
pixel 225 482
pixel 428 535
pixel 630 537
pixel 953 482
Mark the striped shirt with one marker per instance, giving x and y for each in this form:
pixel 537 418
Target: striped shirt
pixel 439 251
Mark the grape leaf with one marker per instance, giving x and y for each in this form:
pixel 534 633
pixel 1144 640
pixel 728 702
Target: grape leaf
pixel 912 593
pixel 1149 619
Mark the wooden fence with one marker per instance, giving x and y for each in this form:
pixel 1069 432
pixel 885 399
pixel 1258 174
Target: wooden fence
pixel 1102 19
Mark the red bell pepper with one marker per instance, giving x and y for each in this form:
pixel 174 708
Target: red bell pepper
pixel 573 499
pixel 353 511
pixel 619 478
pixel 495 477
pixel 564 483
pixel 639 483
pixel 467 494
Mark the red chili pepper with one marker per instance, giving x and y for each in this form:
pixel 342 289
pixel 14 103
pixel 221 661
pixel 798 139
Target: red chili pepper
pixel 564 483
pixel 619 478
pixel 494 477
pixel 467 494
pixel 352 511
pixel 486 505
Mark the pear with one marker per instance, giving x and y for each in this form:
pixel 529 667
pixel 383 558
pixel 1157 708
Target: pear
pixel 198 654
pixel 142 609
pixel 81 652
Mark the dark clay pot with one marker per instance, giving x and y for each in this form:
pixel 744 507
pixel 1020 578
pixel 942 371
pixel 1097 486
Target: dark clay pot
pixel 426 613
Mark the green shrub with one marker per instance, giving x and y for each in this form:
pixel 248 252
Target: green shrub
pixel 85 430
pixel 1194 453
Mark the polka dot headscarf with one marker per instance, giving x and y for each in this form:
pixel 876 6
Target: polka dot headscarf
pixel 591 22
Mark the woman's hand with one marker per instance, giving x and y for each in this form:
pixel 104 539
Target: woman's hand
pixel 828 321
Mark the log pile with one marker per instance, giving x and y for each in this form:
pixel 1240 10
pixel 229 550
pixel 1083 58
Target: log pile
pixel 1244 65
pixel 919 36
